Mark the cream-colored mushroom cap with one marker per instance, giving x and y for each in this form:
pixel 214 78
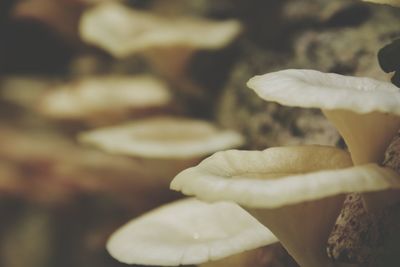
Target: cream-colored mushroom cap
pixel 365 111
pixel 388 2
pixel 122 31
pixel 297 192
pixel 163 137
pixel 24 90
pixel 188 232
pixel 314 89
pixel 101 94
pixel 280 176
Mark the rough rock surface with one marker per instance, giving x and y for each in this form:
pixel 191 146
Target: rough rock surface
pixel 369 238
pixel 264 123
pixel 333 42
pixel 351 50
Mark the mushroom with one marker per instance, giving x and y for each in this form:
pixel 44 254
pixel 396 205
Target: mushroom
pixel 167 42
pixel 95 98
pixel 297 192
pixel 187 232
pixel 49 169
pixel 163 145
pixel 123 31
pixel 365 111
pixel 24 90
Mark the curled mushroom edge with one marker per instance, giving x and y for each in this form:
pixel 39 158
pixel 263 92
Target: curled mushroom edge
pixel 297 192
pixel 189 231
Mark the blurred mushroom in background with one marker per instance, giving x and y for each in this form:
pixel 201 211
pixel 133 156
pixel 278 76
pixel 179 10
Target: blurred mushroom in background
pixel 163 146
pixel 107 99
pixel 167 43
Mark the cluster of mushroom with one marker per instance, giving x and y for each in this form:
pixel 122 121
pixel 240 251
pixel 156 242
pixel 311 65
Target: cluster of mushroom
pixel 289 186
pixel 166 43
pixel 154 135
pixel 156 141
pixel 157 135
pixel 162 145
pixel 297 192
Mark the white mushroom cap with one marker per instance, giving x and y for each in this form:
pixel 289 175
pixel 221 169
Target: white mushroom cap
pixel 163 137
pixel 328 91
pixel 102 95
pixel 306 173
pixel 24 90
pixel 297 192
pixel 123 31
pixel 188 232
pixel 365 111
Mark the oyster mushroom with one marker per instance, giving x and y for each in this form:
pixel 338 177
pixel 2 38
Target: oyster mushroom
pixel 23 90
pixel 123 31
pixel 167 42
pixel 188 232
pixel 163 145
pixel 365 111
pixel 102 98
pixel 297 192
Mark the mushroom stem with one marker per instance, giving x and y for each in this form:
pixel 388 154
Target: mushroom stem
pixel 171 62
pixel 367 135
pixel 305 241
pixel 297 192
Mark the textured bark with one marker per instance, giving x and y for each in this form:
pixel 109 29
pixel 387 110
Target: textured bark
pixel 351 50
pixel 369 238
pixel 332 42
pixel 264 123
